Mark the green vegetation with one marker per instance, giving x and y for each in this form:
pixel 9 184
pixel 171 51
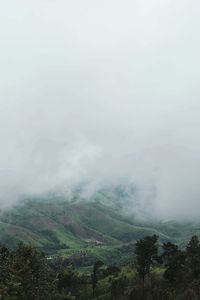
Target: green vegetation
pixel 156 272
pixel 83 232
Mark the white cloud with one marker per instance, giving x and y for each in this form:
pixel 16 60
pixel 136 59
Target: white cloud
pixel 101 90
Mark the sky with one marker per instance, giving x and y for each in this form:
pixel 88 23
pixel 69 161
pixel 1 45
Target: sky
pixel 101 91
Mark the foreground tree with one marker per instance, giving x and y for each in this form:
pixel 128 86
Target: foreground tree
pixel 5 266
pixel 193 247
pixel 193 258
pixel 118 287
pixel 169 251
pixel 68 281
pixel 146 251
pixel 94 275
pixel 174 262
pixel 31 273
pixel 6 283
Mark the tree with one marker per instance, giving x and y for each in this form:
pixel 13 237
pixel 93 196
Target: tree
pixel 193 247
pixel 7 285
pixel 169 251
pixel 193 258
pixel 146 251
pixel 68 280
pixel 94 274
pixel 117 287
pixel 174 262
pixel 5 265
pixel 31 273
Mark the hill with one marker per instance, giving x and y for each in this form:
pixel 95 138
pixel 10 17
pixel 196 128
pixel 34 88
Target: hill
pixel 84 231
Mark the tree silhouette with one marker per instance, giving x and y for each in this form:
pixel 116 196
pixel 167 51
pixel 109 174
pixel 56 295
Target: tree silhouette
pixel 146 251
pixel 94 274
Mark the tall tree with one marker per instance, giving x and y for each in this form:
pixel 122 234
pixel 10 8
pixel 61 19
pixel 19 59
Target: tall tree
pixel 5 265
pixel 174 262
pixel 193 247
pixel 193 258
pixel 31 273
pixel 94 274
pixel 146 251
pixel 169 251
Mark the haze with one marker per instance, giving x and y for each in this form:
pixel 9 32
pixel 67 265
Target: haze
pixel 101 91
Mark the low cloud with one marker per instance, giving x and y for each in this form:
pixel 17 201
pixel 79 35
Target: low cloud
pixel 101 93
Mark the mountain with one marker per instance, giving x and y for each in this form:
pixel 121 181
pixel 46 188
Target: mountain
pixel 82 230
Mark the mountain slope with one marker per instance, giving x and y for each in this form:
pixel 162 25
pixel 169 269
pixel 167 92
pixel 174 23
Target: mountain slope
pixel 83 229
pixel 73 224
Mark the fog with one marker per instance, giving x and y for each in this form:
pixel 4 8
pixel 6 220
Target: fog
pixel 99 92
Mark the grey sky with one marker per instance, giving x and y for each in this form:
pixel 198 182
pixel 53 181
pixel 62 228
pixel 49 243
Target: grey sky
pixel 101 90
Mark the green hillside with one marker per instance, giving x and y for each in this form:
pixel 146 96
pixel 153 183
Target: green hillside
pixel 83 230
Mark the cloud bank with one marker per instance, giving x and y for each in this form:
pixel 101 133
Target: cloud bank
pixel 100 91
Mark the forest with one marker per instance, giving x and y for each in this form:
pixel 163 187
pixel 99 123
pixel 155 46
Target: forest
pixel 156 271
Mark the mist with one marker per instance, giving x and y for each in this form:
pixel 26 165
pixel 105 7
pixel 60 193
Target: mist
pixel 100 92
